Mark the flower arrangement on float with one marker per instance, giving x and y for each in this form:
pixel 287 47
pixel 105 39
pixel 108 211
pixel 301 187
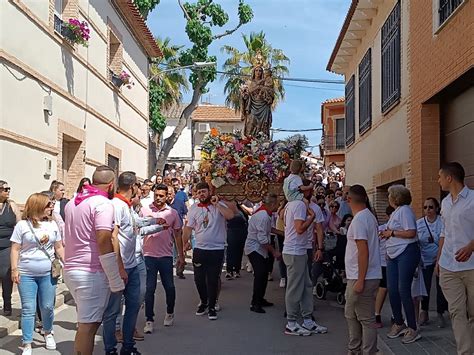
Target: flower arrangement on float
pixel 231 158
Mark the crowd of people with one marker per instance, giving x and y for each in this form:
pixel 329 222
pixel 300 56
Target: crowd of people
pixel 116 235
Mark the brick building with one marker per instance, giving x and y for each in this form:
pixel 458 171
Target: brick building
pixel 61 112
pixel 333 144
pixel 441 105
pixel 409 76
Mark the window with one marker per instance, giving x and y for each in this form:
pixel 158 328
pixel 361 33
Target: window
pixel 340 139
pixel 115 53
pixel 350 111
pixel 446 8
pixel 391 66
pixel 365 92
pixel 58 13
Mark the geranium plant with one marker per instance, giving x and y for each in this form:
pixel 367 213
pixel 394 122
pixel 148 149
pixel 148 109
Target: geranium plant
pixel 77 31
pixel 127 79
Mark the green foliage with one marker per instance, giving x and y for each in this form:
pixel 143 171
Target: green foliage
pixel 202 17
pixel 146 6
pixel 166 87
pixel 239 64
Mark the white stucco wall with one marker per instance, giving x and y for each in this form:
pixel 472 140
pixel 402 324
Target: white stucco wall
pixel 21 94
pixel 183 147
pixel 385 145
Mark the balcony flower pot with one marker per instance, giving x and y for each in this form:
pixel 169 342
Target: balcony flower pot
pixel 117 80
pixel 76 31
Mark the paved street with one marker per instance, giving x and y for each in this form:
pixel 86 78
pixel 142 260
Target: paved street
pixel 237 331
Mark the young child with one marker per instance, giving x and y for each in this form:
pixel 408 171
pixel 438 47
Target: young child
pixel 293 184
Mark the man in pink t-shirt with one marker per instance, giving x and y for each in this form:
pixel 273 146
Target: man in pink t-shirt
pixel 91 269
pixel 158 253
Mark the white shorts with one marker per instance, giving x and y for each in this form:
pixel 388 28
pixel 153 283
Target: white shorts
pixel 90 291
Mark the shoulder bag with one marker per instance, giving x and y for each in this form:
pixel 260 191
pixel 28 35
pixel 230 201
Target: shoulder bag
pixel 55 263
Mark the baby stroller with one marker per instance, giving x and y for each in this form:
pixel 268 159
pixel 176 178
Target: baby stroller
pixel 332 276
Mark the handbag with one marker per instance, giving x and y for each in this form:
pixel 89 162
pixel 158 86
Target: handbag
pixel 55 263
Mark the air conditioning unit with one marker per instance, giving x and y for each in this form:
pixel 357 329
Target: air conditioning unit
pixel 203 127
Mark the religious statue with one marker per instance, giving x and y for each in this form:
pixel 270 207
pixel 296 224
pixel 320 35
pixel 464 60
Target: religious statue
pixel 257 96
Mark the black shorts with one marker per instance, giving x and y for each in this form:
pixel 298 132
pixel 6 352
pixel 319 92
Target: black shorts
pixel 383 282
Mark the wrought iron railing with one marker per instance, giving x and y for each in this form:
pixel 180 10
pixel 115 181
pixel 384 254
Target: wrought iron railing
pixel 333 143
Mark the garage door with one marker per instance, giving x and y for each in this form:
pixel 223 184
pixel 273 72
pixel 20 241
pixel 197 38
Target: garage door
pixel 458 122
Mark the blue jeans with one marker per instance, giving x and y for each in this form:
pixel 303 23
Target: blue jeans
pixel 131 294
pixel 29 287
pixel 164 266
pixel 400 271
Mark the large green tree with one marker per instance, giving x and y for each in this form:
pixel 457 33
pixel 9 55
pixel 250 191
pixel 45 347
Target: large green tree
pixel 239 65
pixel 146 6
pixel 203 19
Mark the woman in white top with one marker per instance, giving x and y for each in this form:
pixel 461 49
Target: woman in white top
pixel 403 257
pixel 35 240
pixel 429 229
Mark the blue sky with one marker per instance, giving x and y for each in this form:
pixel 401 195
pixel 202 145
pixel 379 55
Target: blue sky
pixel 306 30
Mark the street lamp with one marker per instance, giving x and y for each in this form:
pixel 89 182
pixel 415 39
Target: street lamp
pixel 195 65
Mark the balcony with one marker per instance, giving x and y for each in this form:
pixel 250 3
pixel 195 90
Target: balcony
pixel 333 144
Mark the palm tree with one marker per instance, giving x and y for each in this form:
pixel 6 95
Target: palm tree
pixel 172 83
pixel 239 64
pixel 166 89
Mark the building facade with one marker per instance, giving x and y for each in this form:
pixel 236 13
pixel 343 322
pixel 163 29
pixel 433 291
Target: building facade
pixel 333 140
pixel 441 106
pixel 187 149
pixel 408 67
pixel 62 111
pixel 371 50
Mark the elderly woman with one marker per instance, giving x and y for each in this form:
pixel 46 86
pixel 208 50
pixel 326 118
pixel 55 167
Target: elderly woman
pixel 403 257
pixel 35 241
pixel 429 229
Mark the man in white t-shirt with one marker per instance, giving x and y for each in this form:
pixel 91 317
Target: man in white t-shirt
pixel 298 296
pixel 455 254
pixel 364 272
pixel 208 220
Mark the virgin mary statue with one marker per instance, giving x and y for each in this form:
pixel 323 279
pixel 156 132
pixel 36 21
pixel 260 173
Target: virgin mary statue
pixel 257 98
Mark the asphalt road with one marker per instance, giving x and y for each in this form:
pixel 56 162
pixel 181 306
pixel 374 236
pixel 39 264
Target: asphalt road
pixel 237 331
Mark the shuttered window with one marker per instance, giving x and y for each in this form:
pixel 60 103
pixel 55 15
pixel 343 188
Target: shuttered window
pixel 446 8
pixel 391 66
pixel 365 92
pixel 350 112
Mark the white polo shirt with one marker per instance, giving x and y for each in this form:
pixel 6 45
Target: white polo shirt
pixel 363 227
pixel 295 244
pixel 126 235
pixel 209 227
pixel 319 218
pixel 403 218
pixel 458 218
pixel 260 226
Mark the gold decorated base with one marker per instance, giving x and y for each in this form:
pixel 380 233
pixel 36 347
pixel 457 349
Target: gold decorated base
pixel 252 190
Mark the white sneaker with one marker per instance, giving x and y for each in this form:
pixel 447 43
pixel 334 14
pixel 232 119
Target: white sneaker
pixel 314 327
pixel 296 330
pixel 217 307
pixel 169 320
pixel 282 282
pixel 148 329
pixel 27 350
pixel 249 267
pixel 50 342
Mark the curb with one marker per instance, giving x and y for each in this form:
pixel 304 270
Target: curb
pixel 383 347
pixel 13 323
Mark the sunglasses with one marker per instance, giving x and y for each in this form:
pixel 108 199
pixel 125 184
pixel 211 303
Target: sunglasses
pixel 428 207
pixel 332 206
pixel 6 189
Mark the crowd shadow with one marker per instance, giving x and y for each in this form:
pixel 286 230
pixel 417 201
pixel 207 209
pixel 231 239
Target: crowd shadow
pixel 65 325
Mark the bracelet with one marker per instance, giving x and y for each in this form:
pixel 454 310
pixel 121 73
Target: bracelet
pixel 393 233
pixel 14 269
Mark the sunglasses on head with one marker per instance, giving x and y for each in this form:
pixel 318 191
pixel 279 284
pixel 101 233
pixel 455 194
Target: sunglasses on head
pixel 6 189
pixel 428 207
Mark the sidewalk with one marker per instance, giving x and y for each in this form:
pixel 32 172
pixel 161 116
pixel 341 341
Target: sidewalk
pixel 9 324
pixel 433 339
